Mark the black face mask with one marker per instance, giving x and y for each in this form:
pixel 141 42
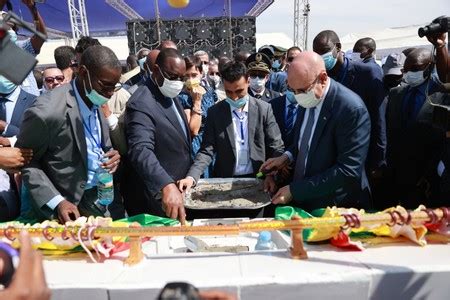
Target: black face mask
pixel 391 81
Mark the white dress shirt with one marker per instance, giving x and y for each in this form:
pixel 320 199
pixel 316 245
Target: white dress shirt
pixel 318 108
pixel 243 164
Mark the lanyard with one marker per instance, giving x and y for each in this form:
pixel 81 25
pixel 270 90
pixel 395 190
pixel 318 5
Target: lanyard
pixel 241 121
pixel 88 129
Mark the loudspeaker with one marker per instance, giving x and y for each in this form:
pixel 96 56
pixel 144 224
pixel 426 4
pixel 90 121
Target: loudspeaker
pixel 208 34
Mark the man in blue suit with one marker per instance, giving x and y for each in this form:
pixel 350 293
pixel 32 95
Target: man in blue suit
pixel 364 51
pixel 13 102
pixel 364 81
pixel 331 143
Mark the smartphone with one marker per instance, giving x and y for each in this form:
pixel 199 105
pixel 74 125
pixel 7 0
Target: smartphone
pixel 10 260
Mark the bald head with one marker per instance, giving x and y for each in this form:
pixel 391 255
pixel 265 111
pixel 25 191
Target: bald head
pixel 325 41
pixel 151 58
pixel 166 44
pixel 418 60
pixel 307 71
pixel 366 47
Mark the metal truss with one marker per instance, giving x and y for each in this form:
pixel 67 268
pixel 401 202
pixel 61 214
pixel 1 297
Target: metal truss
pixel 78 18
pixel 124 9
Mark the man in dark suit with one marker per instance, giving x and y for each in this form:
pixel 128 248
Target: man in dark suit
pixel 332 142
pixel 241 132
pixel 258 70
pixel 361 79
pixel 285 109
pixel 364 51
pixel 413 144
pixel 70 142
pixel 13 103
pixel 159 143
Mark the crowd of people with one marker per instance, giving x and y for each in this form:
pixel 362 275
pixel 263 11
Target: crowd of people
pixel 326 128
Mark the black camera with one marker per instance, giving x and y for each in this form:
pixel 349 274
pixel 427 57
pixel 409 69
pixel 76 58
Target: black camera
pixel 439 25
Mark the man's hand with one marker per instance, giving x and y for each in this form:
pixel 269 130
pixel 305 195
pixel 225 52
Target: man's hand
pixel 172 203
pixel 272 165
pixel 184 185
pixel 13 159
pixel 283 196
pixel 106 110
pixel 3 125
pixel 437 39
pixel 269 184
pixel 29 279
pixel 113 162
pixel 67 211
pixel 5 142
pixel 197 94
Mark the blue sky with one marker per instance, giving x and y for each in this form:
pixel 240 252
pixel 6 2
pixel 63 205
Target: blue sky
pixel 348 16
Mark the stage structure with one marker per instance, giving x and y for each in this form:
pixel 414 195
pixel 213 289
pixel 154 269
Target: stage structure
pixel 217 36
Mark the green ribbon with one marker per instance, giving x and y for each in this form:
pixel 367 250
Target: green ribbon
pixel 146 220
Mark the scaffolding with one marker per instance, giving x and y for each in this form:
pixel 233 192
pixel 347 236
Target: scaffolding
pixel 301 16
pixel 78 18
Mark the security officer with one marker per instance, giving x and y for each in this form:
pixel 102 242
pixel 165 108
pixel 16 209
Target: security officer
pixel 278 77
pixel 258 71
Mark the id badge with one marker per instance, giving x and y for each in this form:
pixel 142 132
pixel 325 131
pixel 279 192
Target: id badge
pixel 243 157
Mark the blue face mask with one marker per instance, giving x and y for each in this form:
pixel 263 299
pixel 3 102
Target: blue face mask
pixel 237 103
pixel 93 95
pixel 290 97
pixel 6 86
pixel 329 59
pixel 276 64
pixel 141 62
pixel 12 35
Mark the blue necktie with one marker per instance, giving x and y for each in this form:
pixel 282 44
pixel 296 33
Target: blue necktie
pixel 290 118
pixel 3 109
pixel 303 150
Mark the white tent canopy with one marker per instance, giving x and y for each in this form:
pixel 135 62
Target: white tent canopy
pixel 388 39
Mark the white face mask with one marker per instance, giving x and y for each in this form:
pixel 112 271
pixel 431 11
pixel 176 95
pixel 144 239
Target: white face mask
pixel 414 78
pixel 356 57
pixel 308 99
pixel 257 84
pixel 205 69
pixel 170 88
pixel 216 79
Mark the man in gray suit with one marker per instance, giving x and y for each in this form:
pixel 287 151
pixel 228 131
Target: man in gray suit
pixel 241 131
pixel 70 140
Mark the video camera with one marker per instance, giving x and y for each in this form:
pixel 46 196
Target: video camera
pixel 439 25
pixel 15 63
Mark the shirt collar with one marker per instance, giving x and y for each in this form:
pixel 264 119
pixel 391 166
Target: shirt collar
pixel 84 109
pixel 255 93
pixel 14 95
pixel 325 92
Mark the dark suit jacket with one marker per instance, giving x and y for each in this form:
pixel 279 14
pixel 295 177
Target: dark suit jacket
pixel 412 153
pixel 23 102
pixel 9 202
pixel 334 173
pixel 158 150
pixel 367 83
pixel 53 128
pixel 266 96
pixel 218 138
pixel 277 82
pixel 279 111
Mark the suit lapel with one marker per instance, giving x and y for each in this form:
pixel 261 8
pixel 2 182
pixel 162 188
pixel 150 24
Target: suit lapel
pixel 228 123
pixel 252 120
pixel 76 124
pixel 325 114
pixel 105 131
pixel 19 109
pixel 166 109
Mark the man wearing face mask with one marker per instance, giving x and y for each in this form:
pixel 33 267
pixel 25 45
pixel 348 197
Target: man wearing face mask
pixel 203 56
pixel 364 51
pixel 258 72
pixel 409 134
pixel 70 141
pixel 13 103
pixel 331 143
pixel 159 141
pixel 241 132
pixel 277 78
pixel 393 70
pixel 361 79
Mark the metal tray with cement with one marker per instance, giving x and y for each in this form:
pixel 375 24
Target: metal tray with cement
pixel 227 193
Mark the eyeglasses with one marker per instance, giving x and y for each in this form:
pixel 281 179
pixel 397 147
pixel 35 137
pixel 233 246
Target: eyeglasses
pixel 73 64
pixel 107 88
pixel 290 59
pixel 260 76
pixel 170 76
pixel 50 79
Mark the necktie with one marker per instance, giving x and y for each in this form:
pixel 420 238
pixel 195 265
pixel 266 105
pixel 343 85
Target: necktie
pixel 290 118
pixel 304 147
pixel 257 96
pixel 3 109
